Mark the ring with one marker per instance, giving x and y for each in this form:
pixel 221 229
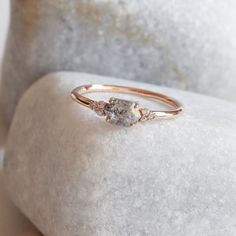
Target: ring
pixel 123 112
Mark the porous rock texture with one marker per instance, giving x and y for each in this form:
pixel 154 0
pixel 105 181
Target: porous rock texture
pixel 12 221
pixel 73 174
pixel 182 44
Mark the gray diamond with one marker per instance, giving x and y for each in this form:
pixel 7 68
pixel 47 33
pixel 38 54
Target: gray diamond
pixel 122 112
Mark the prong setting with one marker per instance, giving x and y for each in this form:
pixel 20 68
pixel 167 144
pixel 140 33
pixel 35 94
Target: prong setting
pixel 124 112
pixel 118 111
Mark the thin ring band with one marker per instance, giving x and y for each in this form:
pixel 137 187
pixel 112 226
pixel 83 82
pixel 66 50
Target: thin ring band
pixel 126 112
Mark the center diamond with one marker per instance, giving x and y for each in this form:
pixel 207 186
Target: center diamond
pixel 122 112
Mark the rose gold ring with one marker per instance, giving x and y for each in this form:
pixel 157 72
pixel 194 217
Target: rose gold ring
pixel 123 112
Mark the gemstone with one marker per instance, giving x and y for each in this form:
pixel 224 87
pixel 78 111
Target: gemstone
pixel 98 107
pixel 122 112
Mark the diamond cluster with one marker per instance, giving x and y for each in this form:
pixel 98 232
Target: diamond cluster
pixel 118 111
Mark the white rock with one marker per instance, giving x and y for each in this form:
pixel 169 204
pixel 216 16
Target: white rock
pixel 3 129
pixel 12 222
pixel 78 175
pixel 184 44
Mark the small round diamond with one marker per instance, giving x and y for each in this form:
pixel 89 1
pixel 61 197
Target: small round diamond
pixel 98 107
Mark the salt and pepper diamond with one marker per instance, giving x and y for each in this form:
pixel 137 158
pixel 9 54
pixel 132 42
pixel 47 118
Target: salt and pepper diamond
pixel 118 111
pixel 122 112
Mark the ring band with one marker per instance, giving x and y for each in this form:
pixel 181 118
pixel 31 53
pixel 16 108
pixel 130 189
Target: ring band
pixel 123 112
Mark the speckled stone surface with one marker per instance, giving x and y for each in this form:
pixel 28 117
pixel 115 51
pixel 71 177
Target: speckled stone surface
pixel 3 130
pixel 12 221
pixel 183 44
pixel 79 175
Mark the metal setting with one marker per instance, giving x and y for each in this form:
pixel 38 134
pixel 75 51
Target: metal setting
pixel 123 112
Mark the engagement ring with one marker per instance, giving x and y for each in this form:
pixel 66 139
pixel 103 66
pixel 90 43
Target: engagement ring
pixel 123 112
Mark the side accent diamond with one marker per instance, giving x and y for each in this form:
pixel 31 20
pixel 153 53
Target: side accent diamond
pixel 99 107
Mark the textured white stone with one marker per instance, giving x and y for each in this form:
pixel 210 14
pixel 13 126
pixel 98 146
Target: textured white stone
pixel 78 175
pixel 3 129
pixel 12 222
pixel 179 43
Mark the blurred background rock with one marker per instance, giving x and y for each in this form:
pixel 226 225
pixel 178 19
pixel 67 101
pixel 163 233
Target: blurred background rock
pixel 182 44
pixel 4 19
pixel 4 16
pixel 12 222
